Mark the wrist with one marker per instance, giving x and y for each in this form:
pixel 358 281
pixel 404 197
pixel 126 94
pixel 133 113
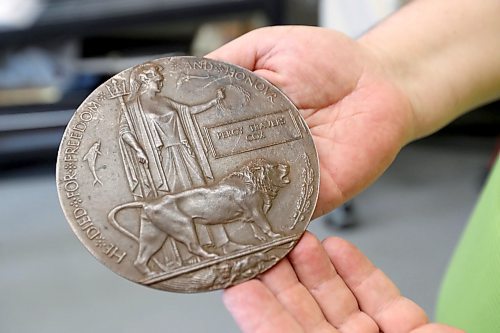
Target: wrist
pixel 444 67
pixel 394 71
pixel 384 69
pixel 423 77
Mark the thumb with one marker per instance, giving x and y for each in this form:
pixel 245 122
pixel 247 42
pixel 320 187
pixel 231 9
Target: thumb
pixel 256 51
pixel 244 51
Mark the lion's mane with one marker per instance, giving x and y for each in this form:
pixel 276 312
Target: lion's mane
pixel 255 175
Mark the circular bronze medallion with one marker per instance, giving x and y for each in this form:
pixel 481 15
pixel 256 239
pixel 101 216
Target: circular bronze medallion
pixel 187 174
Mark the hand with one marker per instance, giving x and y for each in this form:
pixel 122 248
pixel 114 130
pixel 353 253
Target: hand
pixel 142 157
pixel 220 94
pixel 328 287
pixel 358 116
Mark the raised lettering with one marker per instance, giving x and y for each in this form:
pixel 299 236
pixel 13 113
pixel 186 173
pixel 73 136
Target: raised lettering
pixel 229 133
pixel 70 158
pixel 71 186
pixel 70 150
pixel 119 256
pixel 79 212
pixel 75 143
pixel 239 76
pixel 93 106
pixel 86 226
pixel 256 136
pixel 93 232
pixel 249 81
pixel 73 194
pixel 271 96
pixel 86 116
pixel 260 86
pixel 83 220
pixel 69 176
pixel 80 127
pixel 75 135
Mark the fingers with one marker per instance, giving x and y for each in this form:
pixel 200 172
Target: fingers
pixel 376 294
pixel 437 328
pixel 320 288
pixel 246 50
pixel 252 51
pixel 318 276
pixel 295 298
pixel 256 309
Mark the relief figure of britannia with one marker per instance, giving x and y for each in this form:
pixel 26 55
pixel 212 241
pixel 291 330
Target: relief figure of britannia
pixel 163 152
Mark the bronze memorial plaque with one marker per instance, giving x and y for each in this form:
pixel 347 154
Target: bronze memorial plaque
pixel 187 174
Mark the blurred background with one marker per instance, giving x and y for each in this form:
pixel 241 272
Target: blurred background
pixel 54 53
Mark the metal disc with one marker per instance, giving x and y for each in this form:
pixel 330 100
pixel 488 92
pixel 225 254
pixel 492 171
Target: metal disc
pixel 187 174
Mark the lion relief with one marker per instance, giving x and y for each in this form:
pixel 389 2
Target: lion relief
pixel 245 196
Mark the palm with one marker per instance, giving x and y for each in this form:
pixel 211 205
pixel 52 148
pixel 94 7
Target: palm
pixel 329 287
pixel 358 119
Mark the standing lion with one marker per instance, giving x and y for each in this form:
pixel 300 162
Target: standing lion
pixel 245 196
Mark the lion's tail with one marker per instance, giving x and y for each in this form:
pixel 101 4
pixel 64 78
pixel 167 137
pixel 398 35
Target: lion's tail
pixel 114 223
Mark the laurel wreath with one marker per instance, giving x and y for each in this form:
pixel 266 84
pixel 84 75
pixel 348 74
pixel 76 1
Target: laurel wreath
pixel 306 191
pixel 243 95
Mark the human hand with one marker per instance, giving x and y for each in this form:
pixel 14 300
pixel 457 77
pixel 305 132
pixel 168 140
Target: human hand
pixel 358 117
pixel 141 156
pixel 220 94
pixel 325 287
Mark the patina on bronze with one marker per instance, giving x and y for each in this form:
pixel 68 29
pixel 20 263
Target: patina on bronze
pixel 187 174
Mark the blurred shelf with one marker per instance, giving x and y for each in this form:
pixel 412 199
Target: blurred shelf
pixel 64 19
pixel 34 120
pixel 111 35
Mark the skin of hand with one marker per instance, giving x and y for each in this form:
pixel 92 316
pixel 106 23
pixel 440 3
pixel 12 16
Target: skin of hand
pixel 141 156
pixel 363 101
pixel 359 120
pixel 220 94
pixel 325 287
pixel 358 117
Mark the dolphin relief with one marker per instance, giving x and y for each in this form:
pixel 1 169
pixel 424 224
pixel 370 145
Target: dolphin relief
pixel 91 158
